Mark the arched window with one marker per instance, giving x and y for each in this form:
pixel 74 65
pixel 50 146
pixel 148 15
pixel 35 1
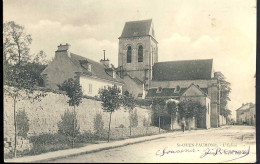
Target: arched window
pixel 129 55
pixel 140 53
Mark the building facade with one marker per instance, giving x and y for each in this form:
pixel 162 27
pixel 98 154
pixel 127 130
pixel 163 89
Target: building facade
pixel 139 67
pixel 246 114
pixel 92 75
pixel 137 53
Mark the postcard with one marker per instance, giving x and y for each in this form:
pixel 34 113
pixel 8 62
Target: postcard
pixel 94 81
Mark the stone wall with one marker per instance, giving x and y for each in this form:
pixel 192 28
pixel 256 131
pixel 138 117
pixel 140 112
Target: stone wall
pixel 45 114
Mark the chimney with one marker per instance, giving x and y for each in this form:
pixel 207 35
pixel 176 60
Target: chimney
pixel 63 50
pixel 105 61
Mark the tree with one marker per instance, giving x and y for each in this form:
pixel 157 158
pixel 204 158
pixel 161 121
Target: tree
pixel 225 90
pixel 189 109
pixel 74 92
pixel 16 53
pixel 110 102
pixel 226 112
pixel 129 105
pixel 171 107
pixel 22 123
pixel 158 106
pixel 68 125
pixel 15 43
pixel 40 58
pixel 98 125
pixel 20 88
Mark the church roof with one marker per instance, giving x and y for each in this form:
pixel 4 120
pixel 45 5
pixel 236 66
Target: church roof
pixel 183 70
pixel 136 28
pixel 97 69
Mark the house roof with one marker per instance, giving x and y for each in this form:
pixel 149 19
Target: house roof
pixel 202 90
pixel 166 92
pixel 136 28
pixel 97 69
pixel 246 106
pixel 183 70
pixel 170 92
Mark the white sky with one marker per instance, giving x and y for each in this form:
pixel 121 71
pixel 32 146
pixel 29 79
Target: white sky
pixel 224 30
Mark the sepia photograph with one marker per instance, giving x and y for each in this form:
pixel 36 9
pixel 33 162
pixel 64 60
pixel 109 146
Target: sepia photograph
pixel 129 81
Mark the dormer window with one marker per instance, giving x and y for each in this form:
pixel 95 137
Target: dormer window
pixel 178 88
pixel 89 68
pixel 159 90
pixel 114 74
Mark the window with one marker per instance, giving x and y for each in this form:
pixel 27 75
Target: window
pixel 89 67
pixel 140 53
pixel 90 88
pixel 159 90
pixel 178 88
pixel 129 54
pixel 114 74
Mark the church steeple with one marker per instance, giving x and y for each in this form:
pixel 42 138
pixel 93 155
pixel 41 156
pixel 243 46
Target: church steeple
pixel 138 50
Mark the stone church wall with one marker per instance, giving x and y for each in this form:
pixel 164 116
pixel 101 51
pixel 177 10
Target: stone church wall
pixel 45 114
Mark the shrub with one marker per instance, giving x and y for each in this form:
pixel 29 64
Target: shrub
pixel 22 123
pixel 134 118
pixel 48 142
pixel 67 123
pixel 85 137
pixel 98 125
pixel 49 139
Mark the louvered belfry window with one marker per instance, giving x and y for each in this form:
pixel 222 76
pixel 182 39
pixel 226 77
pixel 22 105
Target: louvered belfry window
pixel 140 53
pixel 129 55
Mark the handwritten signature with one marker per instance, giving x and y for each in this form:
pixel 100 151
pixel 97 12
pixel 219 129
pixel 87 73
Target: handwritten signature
pixel 207 152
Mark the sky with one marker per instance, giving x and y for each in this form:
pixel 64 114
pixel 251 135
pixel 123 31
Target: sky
pixel 222 30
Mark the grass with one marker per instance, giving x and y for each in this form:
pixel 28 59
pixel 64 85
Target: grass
pixel 52 142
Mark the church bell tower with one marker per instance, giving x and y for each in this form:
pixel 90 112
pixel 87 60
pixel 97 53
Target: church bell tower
pixel 138 51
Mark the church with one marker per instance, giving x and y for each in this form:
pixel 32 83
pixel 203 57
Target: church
pixel 146 78
pixel 139 73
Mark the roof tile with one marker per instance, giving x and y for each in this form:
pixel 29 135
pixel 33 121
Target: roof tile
pixel 136 28
pixel 183 70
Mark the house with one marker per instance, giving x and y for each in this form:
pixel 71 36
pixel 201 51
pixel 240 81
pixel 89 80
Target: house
pixel 246 114
pixel 91 74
